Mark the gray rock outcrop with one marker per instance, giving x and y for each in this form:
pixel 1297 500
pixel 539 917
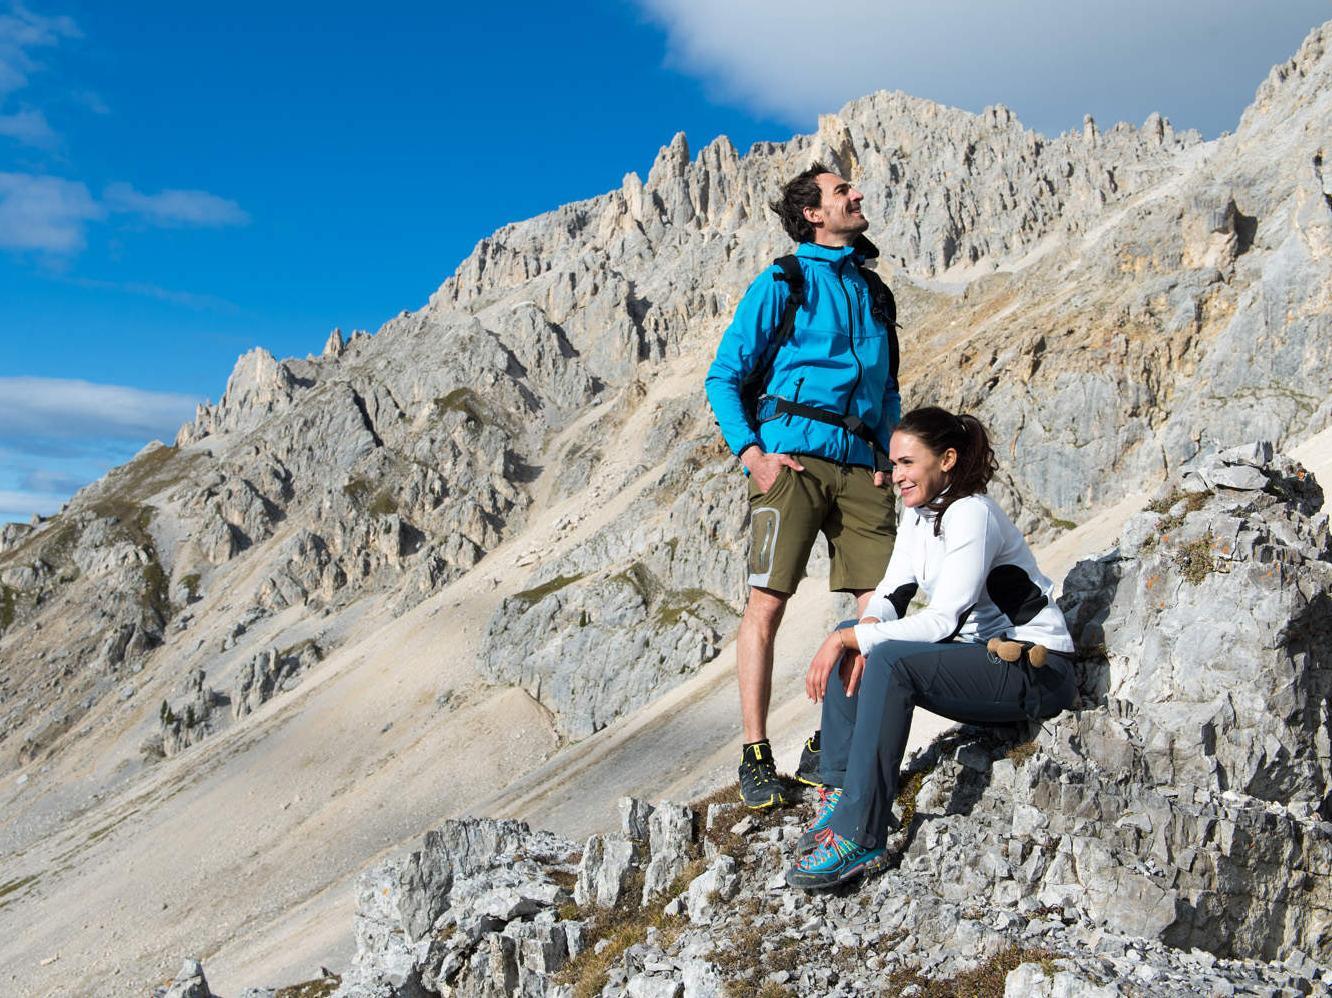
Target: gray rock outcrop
pixel 189 982
pixel 1167 837
pixel 471 913
pixel 271 672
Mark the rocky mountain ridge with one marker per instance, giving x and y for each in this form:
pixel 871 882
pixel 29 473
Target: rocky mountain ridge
pixel 1115 304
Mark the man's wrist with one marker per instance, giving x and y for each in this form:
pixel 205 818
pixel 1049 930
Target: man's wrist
pixel 750 453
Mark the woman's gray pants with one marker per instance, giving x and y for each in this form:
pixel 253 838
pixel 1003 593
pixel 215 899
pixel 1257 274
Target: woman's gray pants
pixel 864 736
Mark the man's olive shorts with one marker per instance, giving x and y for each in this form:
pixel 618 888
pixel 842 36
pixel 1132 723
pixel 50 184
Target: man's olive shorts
pixel 857 518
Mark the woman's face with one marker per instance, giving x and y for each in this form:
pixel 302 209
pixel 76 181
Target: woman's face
pixel 918 472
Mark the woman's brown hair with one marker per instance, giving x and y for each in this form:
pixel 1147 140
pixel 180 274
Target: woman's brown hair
pixel 938 429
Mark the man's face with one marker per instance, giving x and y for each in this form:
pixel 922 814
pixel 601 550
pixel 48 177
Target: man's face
pixel 837 220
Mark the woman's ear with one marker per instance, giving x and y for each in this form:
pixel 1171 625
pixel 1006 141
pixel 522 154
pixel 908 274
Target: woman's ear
pixel 949 459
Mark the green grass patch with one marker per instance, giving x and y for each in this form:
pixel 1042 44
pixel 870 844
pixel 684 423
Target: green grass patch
pixel 465 401
pixel 191 585
pixel 364 495
pixel 677 602
pixel 13 886
pixel 528 597
pixel 639 578
pixel 156 594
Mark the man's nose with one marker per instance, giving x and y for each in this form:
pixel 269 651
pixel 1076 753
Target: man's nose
pixel 856 195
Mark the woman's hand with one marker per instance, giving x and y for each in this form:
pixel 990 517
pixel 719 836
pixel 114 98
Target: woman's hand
pixel 853 667
pixel 830 655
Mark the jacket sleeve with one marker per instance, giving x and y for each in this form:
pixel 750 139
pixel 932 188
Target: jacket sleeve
pixel 892 414
pixel 970 544
pixel 741 348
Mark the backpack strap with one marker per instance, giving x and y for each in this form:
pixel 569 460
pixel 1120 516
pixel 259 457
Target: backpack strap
pixel 883 306
pixel 756 383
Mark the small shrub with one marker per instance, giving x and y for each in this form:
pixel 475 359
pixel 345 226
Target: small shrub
pixel 191 585
pixel 1021 752
pixel 8 607
pixel 1194 560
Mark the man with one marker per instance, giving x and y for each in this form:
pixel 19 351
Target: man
pixel 813 441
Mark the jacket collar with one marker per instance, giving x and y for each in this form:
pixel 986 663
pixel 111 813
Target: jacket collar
pixel 862 249
pixel 828 254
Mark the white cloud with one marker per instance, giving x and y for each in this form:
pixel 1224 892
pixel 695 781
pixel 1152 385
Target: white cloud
pixel 58 408
pixel 1196 61
pixel 29 127
pixel 22 31
pixel 172 208
pixel 19 504
pixel 45 214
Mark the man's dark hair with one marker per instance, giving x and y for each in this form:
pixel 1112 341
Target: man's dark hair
pixel 800 192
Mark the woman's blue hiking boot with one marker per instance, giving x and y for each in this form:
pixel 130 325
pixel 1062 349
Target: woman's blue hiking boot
pixel 834 862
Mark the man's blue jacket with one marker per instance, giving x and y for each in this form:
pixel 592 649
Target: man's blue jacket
pixel 836 359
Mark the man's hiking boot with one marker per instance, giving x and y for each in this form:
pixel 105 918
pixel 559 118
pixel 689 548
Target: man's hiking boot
pixel 816 833
pixel 760 786
pixel 835 861
pixel 808 770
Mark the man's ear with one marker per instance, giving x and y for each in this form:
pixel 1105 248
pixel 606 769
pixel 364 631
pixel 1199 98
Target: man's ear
pixel 814 216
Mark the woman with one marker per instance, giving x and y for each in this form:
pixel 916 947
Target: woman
pixel 956 543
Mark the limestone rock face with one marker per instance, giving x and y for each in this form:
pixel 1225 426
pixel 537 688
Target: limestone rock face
pixel 470 913
pixel 1215 618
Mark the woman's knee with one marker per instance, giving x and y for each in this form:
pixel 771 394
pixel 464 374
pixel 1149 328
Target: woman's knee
pixel 890 660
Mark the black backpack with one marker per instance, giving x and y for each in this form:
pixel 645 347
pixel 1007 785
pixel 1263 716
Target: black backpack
pixel 882 306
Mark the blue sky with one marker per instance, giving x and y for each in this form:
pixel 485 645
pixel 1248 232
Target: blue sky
pixel 180 183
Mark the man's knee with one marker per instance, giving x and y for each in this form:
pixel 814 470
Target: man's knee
pixel 765 608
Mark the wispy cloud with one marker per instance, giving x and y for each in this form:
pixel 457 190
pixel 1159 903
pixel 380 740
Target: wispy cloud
pixel 176 208
pixel 56 408
pixel 28 127
pixel 21 33
pixel 188 299
pixel 17 505
pixel 45 214
pixel 1196 61
pixel 57 435
pixel 50 215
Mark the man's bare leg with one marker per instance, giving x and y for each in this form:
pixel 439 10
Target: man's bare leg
pixel 753 656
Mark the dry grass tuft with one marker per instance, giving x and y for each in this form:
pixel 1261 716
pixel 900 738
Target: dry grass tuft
pixel 986 981
pixel 320 987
